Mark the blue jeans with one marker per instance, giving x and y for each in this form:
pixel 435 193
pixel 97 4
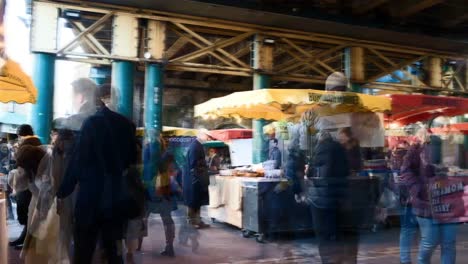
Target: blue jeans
pixel 408 231
pixel 433 234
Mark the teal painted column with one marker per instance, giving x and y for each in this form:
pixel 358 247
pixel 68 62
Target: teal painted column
pixel 122 87
pixel 260 144
pixel 43 111
pixel 153 123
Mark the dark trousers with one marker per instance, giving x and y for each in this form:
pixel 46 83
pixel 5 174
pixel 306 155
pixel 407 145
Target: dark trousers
pixel 85 239
pixel 337 240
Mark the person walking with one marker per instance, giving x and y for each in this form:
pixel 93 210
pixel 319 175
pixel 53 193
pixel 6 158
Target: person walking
pixel 195 181
pixel 353 150
pixel 29 158
pixel 417 169
pixel 20 183
pixel 329 191
pixel 137 227
pixel 98 165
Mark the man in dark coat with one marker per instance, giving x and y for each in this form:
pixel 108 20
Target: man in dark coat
pixel 105 150
pixel 275 153
pixel 196 180
pixel 327 196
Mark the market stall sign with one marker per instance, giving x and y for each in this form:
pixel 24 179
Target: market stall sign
pixel 449 199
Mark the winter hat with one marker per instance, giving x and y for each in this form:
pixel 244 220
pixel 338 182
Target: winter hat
pixel 337 81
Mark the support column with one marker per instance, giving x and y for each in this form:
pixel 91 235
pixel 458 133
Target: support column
pixel 355 67
pixel 154 76
pixel 263 63
pixel 260 144
pixel 122 87
pixel 42 111
pixel 153 121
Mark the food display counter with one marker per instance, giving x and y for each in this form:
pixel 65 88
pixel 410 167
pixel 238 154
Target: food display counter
pixel 251 204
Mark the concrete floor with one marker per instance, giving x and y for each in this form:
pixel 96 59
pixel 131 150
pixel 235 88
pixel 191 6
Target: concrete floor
pixel 224 244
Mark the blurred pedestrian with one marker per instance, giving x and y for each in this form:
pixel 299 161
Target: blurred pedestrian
pixel 195 181
pixel 353 150
pixel 29 158
pixel 99 165
pixel 275 153
pixel 417 169
pixel 167 190
pixel 408 221
pixel 336 241
pixel 20 182
pixel 137 227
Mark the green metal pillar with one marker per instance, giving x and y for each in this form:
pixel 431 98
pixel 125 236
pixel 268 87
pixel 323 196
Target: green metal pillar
pixel 43 110
pixel 122 87
pixel 260 144
pixel 153 122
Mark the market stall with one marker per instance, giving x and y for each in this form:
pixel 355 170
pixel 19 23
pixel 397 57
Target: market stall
pixel 261 209
pixel 447 189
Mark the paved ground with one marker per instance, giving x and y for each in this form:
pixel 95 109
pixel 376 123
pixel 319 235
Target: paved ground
pixel 224 244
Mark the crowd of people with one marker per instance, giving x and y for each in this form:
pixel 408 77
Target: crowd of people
pixel 83 191
pixel 82 196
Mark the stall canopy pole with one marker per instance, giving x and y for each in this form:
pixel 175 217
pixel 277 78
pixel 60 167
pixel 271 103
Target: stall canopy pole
pixel 42 111
pixel 122 87
pixel 153 122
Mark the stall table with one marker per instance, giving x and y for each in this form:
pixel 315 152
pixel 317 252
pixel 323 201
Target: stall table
pixel 251 204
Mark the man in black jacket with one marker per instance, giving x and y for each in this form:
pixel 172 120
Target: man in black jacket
pixel 330 190
pixel 105 150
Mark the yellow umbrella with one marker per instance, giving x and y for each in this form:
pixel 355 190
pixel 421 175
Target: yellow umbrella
pixel 284 104
pixel 15 85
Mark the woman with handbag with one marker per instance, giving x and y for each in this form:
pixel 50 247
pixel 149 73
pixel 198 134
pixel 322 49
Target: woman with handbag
pixel 166 190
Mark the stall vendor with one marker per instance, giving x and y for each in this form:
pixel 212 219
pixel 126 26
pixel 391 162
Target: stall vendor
pixel 275 153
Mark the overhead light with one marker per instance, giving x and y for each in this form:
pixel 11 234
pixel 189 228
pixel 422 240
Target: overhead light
pixel 147 55
pixel 269 41
pixel 71 14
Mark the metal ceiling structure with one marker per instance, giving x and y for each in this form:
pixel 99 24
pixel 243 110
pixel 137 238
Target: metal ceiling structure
pixel 209 45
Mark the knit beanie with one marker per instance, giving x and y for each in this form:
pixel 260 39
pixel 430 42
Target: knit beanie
pixel 337 81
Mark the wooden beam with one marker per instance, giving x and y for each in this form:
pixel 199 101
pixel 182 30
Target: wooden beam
pixel 215 46
pixel 209 43
pixel 307 64
pixel 200 46
pixel 298 78
pixel 397 67
pixel 308 55
pixel 318 56
pixel 411 7
pixel 383 57
pixel 433 67
pixel 86 31
pixel 204 84
pixel 178 44
pixel 360 8
pixel 262 54
pixel 91 38
pixel 208 70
